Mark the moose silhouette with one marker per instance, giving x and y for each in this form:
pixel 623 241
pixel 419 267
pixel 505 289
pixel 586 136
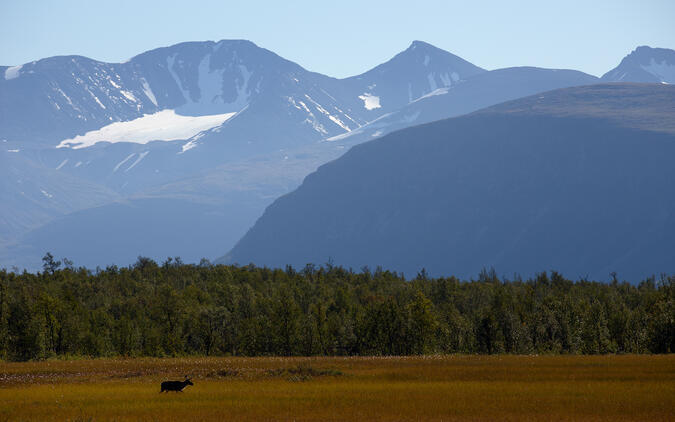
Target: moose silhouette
pixel 176 386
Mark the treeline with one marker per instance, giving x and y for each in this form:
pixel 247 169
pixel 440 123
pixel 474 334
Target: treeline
pixel 173 309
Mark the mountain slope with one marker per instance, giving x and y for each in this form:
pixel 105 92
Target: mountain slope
pixel 411 74
pixel 32 195
pixel 645 64
pixel 64 96
pixel 177 124
pixel 572 180
pixel 137 125
pixel 207 123
pixel 208 103
pixel 480 91
pixel 261 179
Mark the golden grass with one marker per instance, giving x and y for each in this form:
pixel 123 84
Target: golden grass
pixel 431 388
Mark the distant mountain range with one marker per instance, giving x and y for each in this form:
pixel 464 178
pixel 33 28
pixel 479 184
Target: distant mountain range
pixel 645 64
pixel 207 134
pixel 578 180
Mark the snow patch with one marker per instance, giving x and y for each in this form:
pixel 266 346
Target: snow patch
pixel 242 96
pixel 439 91
pixel 370 101
pixel 70 102
pixel 123 161
pixel 99 102
pixel 148 92
pixel 350 118
pixel 164 125
pixel 445 78
pixel 96 99
pixel 138 160
pixel 129 96
pixel 13 72
pixel 292 101
pixel 63 163
pixel 316 125
pixel 210 85
pixel 339 123
pixel 330 116
pixel 188 146
pixel 664 71
pixel 169 65
pixel 191 143
pixel 342 136
pixel 305 107
pixel 47 194
pixel 13 150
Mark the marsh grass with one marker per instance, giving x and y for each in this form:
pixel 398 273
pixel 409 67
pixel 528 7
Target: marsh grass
pixel 302 372
pixel 435 388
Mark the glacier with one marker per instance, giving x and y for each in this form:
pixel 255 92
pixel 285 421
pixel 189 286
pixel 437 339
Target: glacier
pixel 164 125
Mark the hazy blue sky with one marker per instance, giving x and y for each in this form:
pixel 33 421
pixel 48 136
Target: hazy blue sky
pixel 344 38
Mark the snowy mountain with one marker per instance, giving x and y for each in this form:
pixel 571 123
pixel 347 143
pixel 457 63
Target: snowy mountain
pixel 645 64
pixel 232 99
pixel 479 91
pixel 577 180
pixel 211 128
pixel 190 123
pixel 411 74
pixel 164 94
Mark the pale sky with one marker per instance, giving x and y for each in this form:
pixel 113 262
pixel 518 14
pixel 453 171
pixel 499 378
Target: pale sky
pixel 345 38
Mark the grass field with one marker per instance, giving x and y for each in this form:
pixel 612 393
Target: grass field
pixel 431 388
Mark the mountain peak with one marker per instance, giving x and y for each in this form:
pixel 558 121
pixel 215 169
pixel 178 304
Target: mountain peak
pixel 420 48
pixel 421 44
pixel 645 54
pixel 424 55
pixel 645 64
pixel 642 48
pixel 413 73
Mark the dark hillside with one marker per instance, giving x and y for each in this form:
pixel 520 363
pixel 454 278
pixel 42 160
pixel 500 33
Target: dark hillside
pixel 579 180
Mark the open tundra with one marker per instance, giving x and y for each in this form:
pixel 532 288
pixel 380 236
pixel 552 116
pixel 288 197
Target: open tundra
pixel 430 388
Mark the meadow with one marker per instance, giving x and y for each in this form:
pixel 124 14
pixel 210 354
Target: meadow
pixel 429 388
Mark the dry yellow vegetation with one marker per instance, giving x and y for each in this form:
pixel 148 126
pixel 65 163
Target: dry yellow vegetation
pixel 427 388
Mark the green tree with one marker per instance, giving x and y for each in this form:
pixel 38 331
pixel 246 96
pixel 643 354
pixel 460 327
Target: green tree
pixel 422 324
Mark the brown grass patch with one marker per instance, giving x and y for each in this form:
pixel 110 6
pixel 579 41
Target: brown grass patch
pixel 435 388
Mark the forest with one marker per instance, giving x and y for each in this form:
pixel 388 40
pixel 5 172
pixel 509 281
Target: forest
pixel 177 309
